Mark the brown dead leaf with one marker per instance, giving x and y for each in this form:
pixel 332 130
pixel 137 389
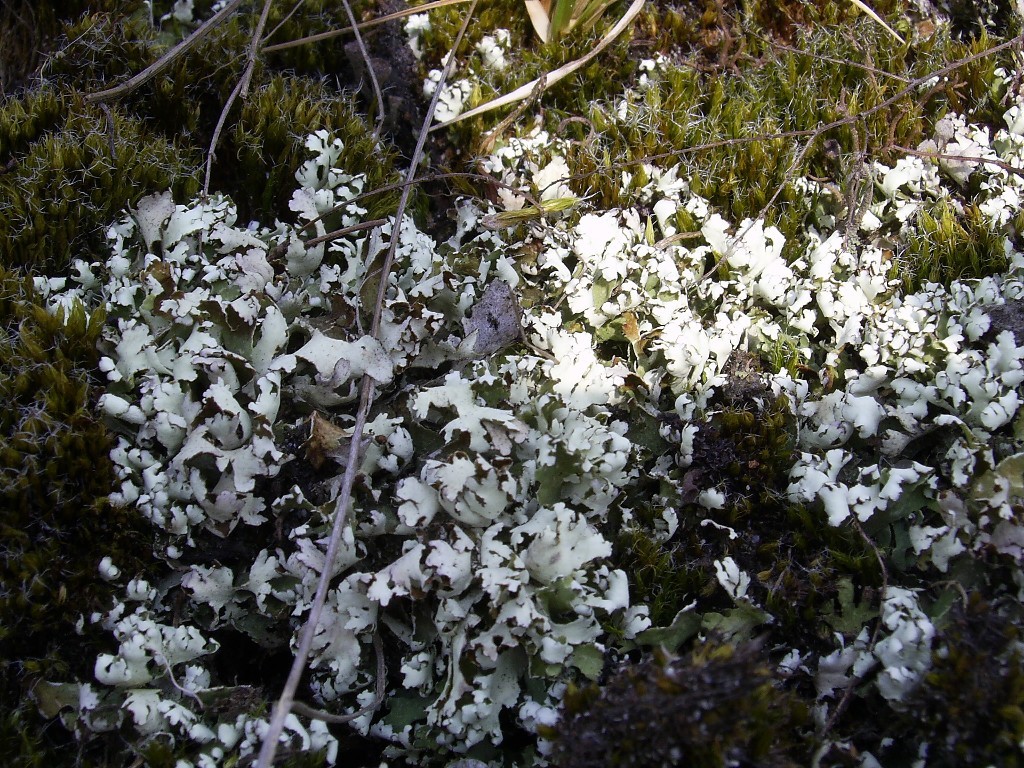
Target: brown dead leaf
pixel 325 441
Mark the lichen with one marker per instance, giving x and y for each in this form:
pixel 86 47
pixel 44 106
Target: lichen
pixel 628 397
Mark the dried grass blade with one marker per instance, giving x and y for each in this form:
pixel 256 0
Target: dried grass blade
pixel 167 59
pixel 878 19
pixel 538 14
pixel 523 91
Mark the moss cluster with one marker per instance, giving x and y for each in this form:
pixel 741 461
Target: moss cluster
pixel 748 133
pixel 69 166
pixel 970 706
pixel 70 170
pixel 28 31
pixel 952 245
pixel 744 450
pixel 55 475
pixel 718 706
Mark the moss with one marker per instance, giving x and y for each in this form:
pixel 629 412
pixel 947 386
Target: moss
pixel 71 166
pixel 798 566
pixel 27 741
pixel 28 30
pixel 718 706
pixel 946 246
pixel 660 575
pixel 721 118
pixel 269 151
pixel 970 706
pixel 20 744
pixel 70 170
pixel 55 474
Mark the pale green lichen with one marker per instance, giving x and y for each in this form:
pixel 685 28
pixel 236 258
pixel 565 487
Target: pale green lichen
pixel 718 422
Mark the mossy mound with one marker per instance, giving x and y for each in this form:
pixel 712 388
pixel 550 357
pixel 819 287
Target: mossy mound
pixel 56 524
pixel 718 706
pixel 745 451
pixel 28 31
pixel 70 165
pixel 70 169
pixel 970 706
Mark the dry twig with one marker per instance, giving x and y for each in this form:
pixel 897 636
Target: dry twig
pixel 241 90
pixel 366 396
pixel 369 68
pixel 1001 164
pixel 167 59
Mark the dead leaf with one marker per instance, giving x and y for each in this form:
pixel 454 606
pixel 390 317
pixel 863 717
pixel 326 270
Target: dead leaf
pixel 325 441
pixel 496 319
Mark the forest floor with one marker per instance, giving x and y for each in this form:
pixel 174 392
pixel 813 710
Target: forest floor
pixel 666 412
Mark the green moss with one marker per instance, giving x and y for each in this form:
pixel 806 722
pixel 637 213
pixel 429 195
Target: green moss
pixel 660 575
pixel 717 706
pixel 735 109
pixel 21 744
pixel 798 565
pixel 71 171
pixel 947 245
pixel 26 741
pixel 55 474
pixel 723 118
pixel 266 151
pixel 28 30
pixel 72 166
pixel 970 706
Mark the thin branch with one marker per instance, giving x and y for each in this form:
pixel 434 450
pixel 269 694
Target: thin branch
pixel 362 25
pixel 487 143
pixel 282 22
pixel 212 151
pixel 111 129
pixel 550 78
pixel 167 59
pixel 833 60
pixel 241 90
pixel 284 704
pixel 678 237
pixel 368 64
pixel 345 231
